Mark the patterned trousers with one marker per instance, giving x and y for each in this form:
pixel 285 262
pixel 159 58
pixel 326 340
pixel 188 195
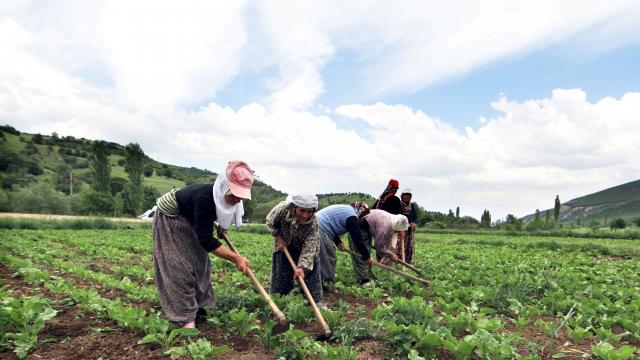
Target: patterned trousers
pixel 360 267
pixel 282 275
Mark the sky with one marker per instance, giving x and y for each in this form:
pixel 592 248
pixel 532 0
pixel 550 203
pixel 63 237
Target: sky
pixel 497 105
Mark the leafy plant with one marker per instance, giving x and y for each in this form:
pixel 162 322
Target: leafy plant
pixel 461 349
pixel 295 344
pixel 577 332
pixel 168 339
pixel 349 331
pixel 198 350
pixel 606 351
pixel 340 352
pixel 24 318
pixel 297 309
pixel 241 322
pixel 267 339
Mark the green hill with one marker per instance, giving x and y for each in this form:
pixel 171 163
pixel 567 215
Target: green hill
pixel 622 201
pixel 59 166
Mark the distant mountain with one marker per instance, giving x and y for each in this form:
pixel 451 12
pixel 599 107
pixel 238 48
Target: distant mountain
pixel 622 201
pixel 29 159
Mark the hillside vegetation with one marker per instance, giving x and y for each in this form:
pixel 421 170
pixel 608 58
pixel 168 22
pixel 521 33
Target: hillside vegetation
pixel 618 202
pixel 49 174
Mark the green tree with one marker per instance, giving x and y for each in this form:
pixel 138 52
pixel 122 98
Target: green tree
pixel 117 185
pixel 41 198
pixel 618 223
pixel 5 205
pixel 485 219
pixel 62 179
pixel 556 209
pixel 458 213
pixel 249 208
pixel 38 139
pixel 450 217
pixel 547 219
pixel 637 221
pixel 100 167
pixel 93 202
pixel 134 166
pixel 150 196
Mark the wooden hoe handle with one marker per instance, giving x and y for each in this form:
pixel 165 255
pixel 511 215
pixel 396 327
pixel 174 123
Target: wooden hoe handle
pixel 389 268
pixel 325 327
pixel 274 308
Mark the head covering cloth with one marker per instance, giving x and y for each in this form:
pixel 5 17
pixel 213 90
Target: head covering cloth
pixel 392 189
pixel 399 222
pixel 362 209
pixel 306 201
pixel 226 213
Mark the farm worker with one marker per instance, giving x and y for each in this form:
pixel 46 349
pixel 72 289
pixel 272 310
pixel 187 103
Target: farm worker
pixel 388 201
pixel 293 224
pixel 183 237
pixel 408 210
pixel 335 221
pixel 382 227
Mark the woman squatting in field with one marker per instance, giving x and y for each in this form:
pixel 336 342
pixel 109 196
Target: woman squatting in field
pixel 335 221
pixel 384 228
pixel 183 237
pixel 293 224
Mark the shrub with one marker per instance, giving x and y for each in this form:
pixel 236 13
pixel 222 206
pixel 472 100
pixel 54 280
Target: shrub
pixel 41 198
pixel 34 169
pixel 618 223
pixel 93 202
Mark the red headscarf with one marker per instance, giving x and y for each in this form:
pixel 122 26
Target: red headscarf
pixel 391 190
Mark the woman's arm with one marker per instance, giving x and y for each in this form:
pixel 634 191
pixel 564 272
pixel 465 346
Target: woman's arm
pixel 310 247
pixel 274 219
pixel 241 263
pixel 353 227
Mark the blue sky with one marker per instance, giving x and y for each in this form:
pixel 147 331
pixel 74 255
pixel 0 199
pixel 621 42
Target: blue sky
pixel 341 96
pixel 462 99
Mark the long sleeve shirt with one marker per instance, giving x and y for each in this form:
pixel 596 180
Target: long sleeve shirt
pixel 196 204
pixel 337 220
pixel 391 205
pixel 412 215
pixel 381 230
pixel 282 221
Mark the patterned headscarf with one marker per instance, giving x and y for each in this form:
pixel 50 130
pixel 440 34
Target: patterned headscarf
pixel 362 209
pixel 391 190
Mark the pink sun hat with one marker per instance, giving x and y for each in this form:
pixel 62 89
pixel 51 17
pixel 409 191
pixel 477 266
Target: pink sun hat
pixel 240 178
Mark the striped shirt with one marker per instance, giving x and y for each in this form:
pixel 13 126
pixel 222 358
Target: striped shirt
pixel 337 220
pixel 333 219
pixel 167 203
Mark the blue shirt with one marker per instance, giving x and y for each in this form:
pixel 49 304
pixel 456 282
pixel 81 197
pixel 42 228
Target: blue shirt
pixel 333 219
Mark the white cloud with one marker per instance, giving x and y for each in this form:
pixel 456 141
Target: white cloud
pixel 168 53
pixel 161 55
pixel 161 60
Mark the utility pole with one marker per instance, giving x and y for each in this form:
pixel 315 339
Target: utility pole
pixel 71 183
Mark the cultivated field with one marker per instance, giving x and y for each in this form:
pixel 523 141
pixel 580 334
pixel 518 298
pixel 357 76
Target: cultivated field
pixel 86 294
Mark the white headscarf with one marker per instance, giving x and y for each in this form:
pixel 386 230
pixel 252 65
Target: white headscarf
pixel 399 222
pixel 226 213
pixel 307 201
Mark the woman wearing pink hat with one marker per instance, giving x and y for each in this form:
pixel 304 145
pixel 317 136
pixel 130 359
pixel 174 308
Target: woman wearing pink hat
pixel 183 237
